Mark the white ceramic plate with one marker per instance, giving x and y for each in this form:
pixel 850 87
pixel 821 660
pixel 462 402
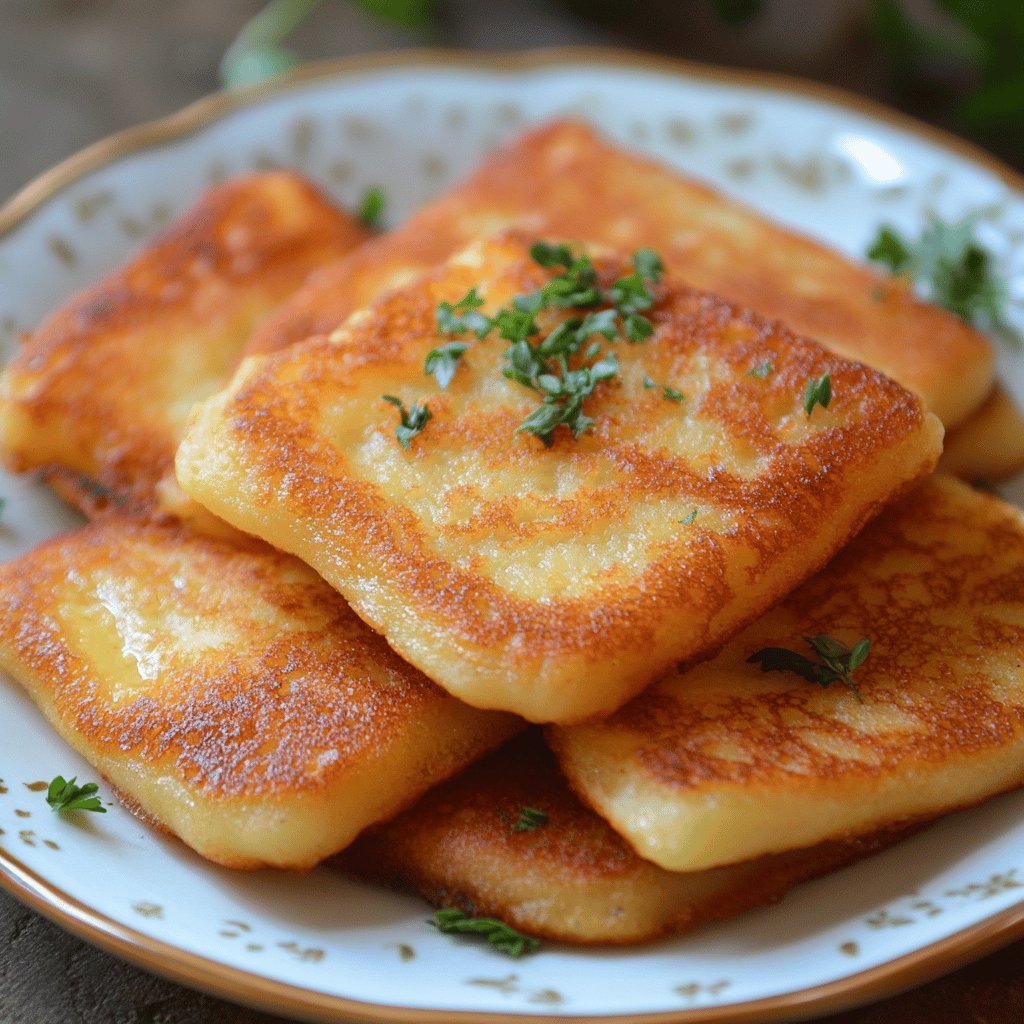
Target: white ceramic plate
pixel 319 945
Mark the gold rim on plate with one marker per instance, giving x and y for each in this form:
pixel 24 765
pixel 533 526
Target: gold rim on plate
pixel 268 995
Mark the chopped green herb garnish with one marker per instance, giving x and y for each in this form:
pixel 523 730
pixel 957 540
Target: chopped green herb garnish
pixel 837 661
pixel 689 518
pixel 503 938
pixel 762 370
pixel 671 394
pixel 443 361
pixel 63 795
pixel 950 268
pixel 819 392
pixel 371 208
pixel 565 366
pixel 413 420
pixel 462 316
pixel 530 819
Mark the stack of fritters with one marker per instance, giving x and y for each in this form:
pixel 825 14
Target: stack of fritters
pixel 233 697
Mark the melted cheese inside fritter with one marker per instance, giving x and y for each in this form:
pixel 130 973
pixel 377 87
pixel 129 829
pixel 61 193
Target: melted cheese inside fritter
pixel 226 691
pixel 723 763
pixel 571 878
pixel 563 181
pixel 554 582
pixel 99 393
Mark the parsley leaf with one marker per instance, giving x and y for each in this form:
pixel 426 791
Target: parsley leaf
pixel 63 795
pixel 819 392
pixel 442 362
pixel 837 661
pixel 503 938
pixel 763 369
pixel 371 208
pixel 530 819
pixel 412 420
pixel 551 255
pixel 950 268
pixel 462 316
pixel 689 518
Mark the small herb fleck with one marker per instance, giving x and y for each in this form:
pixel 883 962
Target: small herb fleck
pixel 837 661
pixel 671 394
pixel 530 819
pixel 763 369
pixel 443 361
pixel 689 519
pixel 412 420
pixel 371 208
pixel 503 938
pixel 462 316
pixel 63 795
pixel 819 392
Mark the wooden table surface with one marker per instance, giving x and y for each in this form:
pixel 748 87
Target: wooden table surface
pixel 84 68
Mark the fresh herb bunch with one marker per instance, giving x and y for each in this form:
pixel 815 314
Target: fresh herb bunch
pixel 503 938
pixel 836 663
pixel 950 268
pixel 64 795
pixel 566 365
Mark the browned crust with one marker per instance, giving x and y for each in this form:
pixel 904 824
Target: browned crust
pixel 92 391
pixel 803 503
pixel 571 879
pixel 937 585
pixel 286 704
pixel 563 180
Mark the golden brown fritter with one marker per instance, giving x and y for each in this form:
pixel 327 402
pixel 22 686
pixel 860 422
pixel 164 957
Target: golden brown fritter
pixel 572 878
pixel 723 763
pixel 989 446
pixel 564 181
pixel 100 391
pixel 227 691
pixel 555 582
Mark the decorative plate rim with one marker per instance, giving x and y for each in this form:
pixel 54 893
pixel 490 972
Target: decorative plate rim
pixel 264 993
pixel 212 108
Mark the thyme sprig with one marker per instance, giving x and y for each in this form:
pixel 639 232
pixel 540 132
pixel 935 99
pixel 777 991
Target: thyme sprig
pixel 836 663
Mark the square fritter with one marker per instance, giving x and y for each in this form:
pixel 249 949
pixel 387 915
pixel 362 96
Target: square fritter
pixel 564 180
pixel 555 580
pixel 507 838
pixel 98 394
pixel 725 762
pixel 227 691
